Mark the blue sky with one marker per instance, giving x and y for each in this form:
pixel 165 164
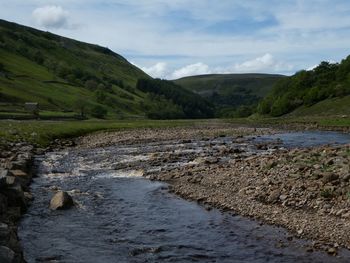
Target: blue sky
pixel 176 38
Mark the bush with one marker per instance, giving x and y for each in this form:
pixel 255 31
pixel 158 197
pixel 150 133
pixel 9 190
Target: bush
pixel 280 106
pixel 264 106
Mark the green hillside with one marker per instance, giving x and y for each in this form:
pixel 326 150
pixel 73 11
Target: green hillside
pixel 64 75
pixel 68 78
pixel 231 92
pixel 324 90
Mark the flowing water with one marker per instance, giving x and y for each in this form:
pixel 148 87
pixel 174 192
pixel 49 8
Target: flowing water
pixel 120 216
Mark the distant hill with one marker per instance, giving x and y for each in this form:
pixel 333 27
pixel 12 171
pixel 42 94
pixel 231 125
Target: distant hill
pixel 324 90
pixel 231 93
pixel 68 78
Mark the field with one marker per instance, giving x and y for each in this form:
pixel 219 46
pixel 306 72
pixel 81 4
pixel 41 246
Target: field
pixel 43 132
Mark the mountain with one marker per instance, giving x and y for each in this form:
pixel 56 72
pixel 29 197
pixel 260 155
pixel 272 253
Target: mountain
pixel 232 94
pixel 190 105
pixel 324 90
pixel 69 78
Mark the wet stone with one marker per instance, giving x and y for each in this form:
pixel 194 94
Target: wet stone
pixel 61 200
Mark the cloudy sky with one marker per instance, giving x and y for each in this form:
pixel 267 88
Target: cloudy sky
pixel 175 38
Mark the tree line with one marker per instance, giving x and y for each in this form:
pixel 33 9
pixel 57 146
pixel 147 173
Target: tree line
pixel 169 99
pixel 306 88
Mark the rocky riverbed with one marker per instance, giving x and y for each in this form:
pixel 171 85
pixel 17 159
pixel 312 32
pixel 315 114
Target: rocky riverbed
pixel 248 171
pixel 305 190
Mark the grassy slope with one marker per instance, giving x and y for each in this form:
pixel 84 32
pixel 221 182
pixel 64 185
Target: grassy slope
pixel 329 107
pixel 258 84
pixel 27 80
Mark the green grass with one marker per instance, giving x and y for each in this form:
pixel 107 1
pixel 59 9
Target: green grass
pixel 336 107
pixel 24 79
pixel 43 132
pixel 317 121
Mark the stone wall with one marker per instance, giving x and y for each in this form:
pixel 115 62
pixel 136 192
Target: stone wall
pixel 15 177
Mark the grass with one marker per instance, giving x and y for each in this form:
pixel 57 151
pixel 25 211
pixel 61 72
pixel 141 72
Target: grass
pixel 25 80
pixel 43 132
pixel 329 107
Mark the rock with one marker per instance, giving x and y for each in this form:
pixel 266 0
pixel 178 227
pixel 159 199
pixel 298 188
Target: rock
pixel 330 162
pixel 3 175
pixel 329 177
pixel 261 146
pixel 346 178
pixel 28 196
pixel 6 255
pixel 10 181
pixel 283 197
pixel 211 160
pixel 18 173
pixel 332 251
pixel 15 197
pixel 61 200
pixel 340 212
pixel 19 165
pixel 274 196
pixel 4 233
pixel 13 213
pixel 3 204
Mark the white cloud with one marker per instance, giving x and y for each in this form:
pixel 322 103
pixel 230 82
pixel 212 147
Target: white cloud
pixel 190 70
pixel 51 17
pixel 148 31
pixel 262 64
pixel 265 63
pixel 158 70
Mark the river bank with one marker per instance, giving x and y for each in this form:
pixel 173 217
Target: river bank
pixel 15 197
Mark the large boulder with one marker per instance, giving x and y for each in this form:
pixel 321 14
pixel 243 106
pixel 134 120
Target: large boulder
pixel 6 255
pixel 15 197
pixel 61 200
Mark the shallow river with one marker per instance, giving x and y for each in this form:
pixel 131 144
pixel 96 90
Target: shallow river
pixel 121 217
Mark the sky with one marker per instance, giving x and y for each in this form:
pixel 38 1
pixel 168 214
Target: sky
pixel 175 38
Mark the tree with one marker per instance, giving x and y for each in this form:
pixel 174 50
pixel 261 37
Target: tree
pixel 98 112
pixel 280 106
pixel 80 105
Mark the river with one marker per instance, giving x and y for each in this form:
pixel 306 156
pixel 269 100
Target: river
pixel 120 216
